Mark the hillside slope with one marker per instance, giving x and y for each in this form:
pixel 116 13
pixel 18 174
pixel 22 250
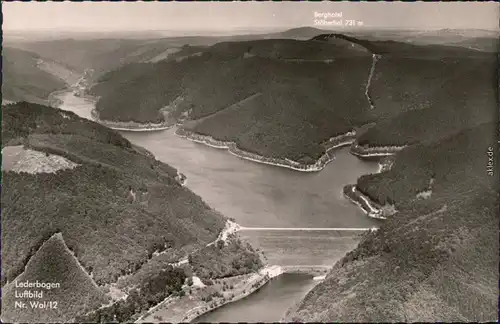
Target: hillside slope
pixel 98 200
pixel 428 110
pixel 75 291
pixel 24 77
pixel 285 99
pixel 434 260
pixel 122 242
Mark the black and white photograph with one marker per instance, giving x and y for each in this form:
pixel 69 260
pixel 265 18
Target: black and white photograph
pixel 250 162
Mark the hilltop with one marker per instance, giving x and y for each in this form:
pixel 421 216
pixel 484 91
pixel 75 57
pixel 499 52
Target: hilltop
pixel 436 259
pixel 288 75
pixel 120 243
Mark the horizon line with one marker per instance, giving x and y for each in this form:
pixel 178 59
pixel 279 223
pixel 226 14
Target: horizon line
pixel 79 30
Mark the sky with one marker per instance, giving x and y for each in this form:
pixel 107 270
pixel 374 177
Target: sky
pixel 230 16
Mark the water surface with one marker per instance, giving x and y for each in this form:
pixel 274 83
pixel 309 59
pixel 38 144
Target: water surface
pixel 259 195
pixel 267 305
pixel 254 194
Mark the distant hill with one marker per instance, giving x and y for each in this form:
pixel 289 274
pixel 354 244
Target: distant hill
pixel 107 54
pixel 25 76
pixel 434 260
pixel 488 44
pixel 99 55
pixel 478 39
pixel 403 49
pixel 299 33
pixel 289 74
pixel 117 241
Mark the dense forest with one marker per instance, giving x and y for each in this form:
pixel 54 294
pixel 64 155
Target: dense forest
pixel 434 260
pixel 284 98
pixel 53 262
pixel 152 291
pixel 98 197
pixel 108 234
pixel 222 260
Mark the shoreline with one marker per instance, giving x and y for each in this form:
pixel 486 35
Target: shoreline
pixel 129 126
pixel 370 208
pixel 184 309
pixel 54 101
pixel 318 274
pixel 249 285
pixel 335 142
pixel 376 151
pixel 256 280
pixel 320 164
pixel 265 276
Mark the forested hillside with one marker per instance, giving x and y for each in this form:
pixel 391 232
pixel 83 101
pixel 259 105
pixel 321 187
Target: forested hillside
pixel 465 96
pixel 116 240
pixel 108 167
pixel 285 98
pixel 434 260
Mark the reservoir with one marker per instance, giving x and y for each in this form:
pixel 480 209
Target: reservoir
pixel 259 195
pixel 266 305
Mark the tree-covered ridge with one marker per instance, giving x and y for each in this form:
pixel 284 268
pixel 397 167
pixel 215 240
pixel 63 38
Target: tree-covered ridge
pixel 412 47
pixel 434 260
pixel 89 204
pixel 53 263
pixel 453 163
pixel 22 119
pixel 117 243
pixel 222 75
pixel 285 98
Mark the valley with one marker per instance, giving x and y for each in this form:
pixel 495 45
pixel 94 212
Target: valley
pixel 222 180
